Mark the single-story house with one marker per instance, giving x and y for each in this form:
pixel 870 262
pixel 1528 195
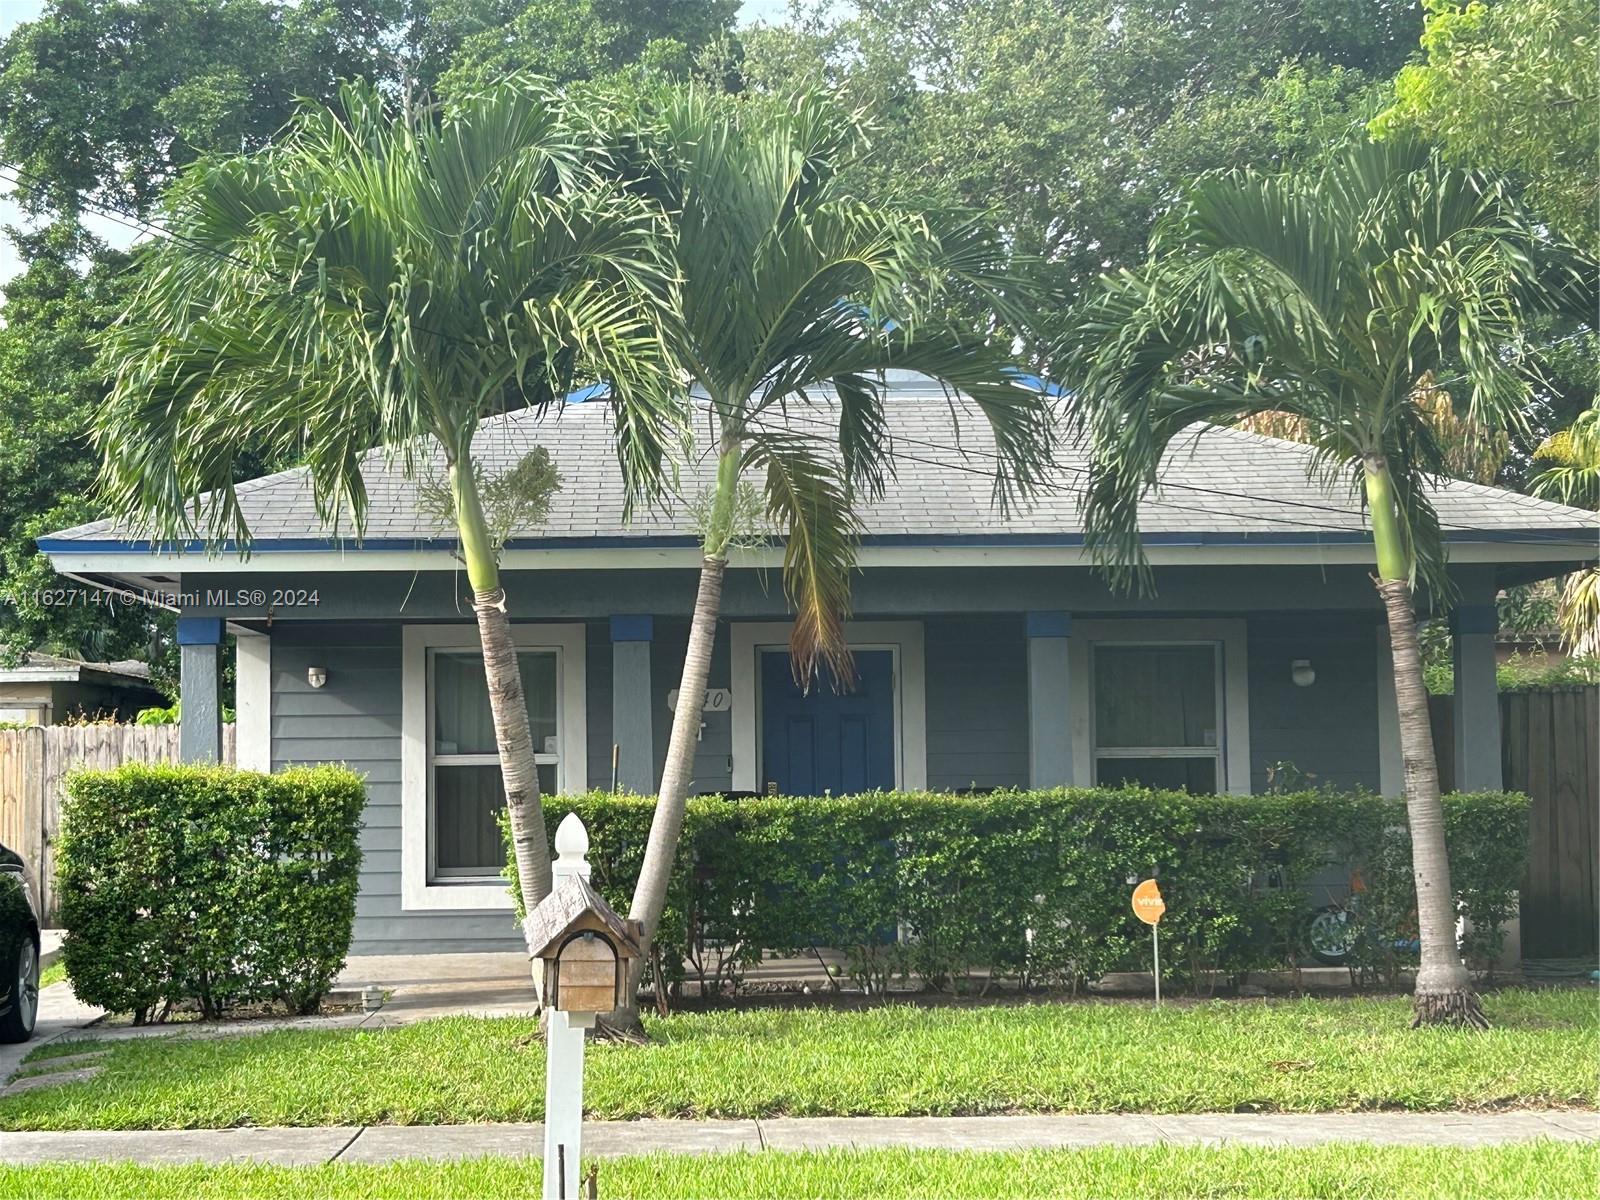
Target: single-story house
pixel 990 653
pixel 46 689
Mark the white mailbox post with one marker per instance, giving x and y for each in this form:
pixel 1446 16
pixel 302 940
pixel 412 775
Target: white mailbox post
pixel 580 949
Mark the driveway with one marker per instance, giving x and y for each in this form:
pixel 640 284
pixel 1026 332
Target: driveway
pixel 59 1012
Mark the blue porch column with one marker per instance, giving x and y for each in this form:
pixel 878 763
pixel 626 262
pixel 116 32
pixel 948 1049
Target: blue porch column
pixel 200 688
pixel 1049 707
pixel 632 725
pixel 1477 700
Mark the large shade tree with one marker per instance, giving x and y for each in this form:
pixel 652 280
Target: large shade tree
pixel 1332 297
pixel 796 297
pixel 373 280
pixel 1077 122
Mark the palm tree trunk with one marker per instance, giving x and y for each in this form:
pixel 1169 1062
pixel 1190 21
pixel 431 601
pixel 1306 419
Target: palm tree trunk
pixel 650 894
pixel 1444 992
pixel 507 705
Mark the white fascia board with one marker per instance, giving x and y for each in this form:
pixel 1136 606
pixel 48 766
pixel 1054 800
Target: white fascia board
pixel 645 558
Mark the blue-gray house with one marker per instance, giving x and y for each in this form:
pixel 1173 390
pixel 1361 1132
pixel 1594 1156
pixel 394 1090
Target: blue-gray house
pixel 990 653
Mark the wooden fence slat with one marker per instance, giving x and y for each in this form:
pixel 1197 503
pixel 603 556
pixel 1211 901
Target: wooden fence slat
pixel 35 761
pixel 1552 753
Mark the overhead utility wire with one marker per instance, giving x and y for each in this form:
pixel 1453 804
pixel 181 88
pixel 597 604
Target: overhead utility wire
pixel 1163 484
pixel 140 225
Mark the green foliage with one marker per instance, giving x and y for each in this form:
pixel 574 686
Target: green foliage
pixel 1539 671
pixel 894 1058
pixel 223 887
pixel 1533 672
pixel 1515 83
pixel 108 100
pixel 1331 296
pixel 49 390
pixel 169 715
pixel 794 284
pixel 571 40
pixel 1568 463
pixel 517 498
pixel 1077 122
pixel 1035 885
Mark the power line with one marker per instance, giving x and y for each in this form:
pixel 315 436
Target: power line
pixel 1065 490
pixel 140 225
pixel 1163 485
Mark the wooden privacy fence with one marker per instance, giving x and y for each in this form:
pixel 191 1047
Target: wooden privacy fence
pixel 33 763
pixel 1550 749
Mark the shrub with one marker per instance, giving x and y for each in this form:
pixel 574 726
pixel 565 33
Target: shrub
pixel 208 884
pixel 1035 885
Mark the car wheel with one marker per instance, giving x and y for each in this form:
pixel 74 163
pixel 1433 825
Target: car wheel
pixel 1331 936
pixel 17 1025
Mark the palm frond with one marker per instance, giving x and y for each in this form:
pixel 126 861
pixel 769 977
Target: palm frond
pixel 808 503
pixel 367 283
pixel 1327 298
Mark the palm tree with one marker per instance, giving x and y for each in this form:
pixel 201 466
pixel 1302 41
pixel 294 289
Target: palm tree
pixel 1332 297
pixel 375 280
pixel 1571 475
pixel 795 298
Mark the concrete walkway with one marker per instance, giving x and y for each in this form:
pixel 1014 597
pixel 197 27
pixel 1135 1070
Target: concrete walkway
pixel 386 1143
pixel 60 1012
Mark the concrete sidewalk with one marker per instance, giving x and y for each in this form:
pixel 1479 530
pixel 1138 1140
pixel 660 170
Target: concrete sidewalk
pixel 387 1143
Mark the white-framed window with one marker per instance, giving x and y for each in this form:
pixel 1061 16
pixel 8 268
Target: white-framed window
pixel 451 846
pixel 1162 702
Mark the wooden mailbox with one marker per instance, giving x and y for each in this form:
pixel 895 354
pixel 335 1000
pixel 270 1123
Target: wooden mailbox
pixel 584 948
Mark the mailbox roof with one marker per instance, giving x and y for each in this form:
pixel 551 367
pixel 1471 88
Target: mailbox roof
pixel 563 911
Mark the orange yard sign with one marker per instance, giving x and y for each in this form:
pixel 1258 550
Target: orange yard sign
pixel 1147 902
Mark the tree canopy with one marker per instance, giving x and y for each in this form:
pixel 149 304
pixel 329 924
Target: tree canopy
pixel 1515 83
pixel 1078 121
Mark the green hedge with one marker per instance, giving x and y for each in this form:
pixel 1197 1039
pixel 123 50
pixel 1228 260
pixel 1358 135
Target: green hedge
pixel 1035 885
pixel 208 884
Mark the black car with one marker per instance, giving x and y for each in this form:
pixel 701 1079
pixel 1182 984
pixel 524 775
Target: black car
pixel 19 950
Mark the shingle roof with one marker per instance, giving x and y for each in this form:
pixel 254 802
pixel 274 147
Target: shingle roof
pixel 1215 482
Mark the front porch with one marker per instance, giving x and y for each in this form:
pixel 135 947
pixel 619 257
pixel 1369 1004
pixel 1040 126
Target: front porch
pixel 969 678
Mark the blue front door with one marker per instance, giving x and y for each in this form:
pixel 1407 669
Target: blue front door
pixel 822 741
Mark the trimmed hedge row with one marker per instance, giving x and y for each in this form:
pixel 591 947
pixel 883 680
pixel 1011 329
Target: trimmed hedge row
pixel 1035 885
pixel 208 884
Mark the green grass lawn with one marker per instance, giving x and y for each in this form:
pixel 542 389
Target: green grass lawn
pixel 1522 1172
pixel 1301 1055
pixel 54 973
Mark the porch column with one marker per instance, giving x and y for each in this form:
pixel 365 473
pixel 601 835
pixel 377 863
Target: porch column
pixel 200 687
pixel 252 702
pixel 632 727
pixel 1477 700
pixel 1049 724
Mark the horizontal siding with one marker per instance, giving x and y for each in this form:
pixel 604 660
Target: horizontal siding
pixel 977 722
pixel 1329 729
pixel 355 719
pixel 713 757
pixel 977 702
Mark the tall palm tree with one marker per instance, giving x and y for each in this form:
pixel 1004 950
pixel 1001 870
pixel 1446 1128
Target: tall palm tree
pixel 1570 474
pixel 379 280
pixel 1332 297
pixel 795 298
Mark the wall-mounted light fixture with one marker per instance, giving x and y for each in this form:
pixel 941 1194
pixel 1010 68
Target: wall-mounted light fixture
pixel 316 676
pixel 1302 672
